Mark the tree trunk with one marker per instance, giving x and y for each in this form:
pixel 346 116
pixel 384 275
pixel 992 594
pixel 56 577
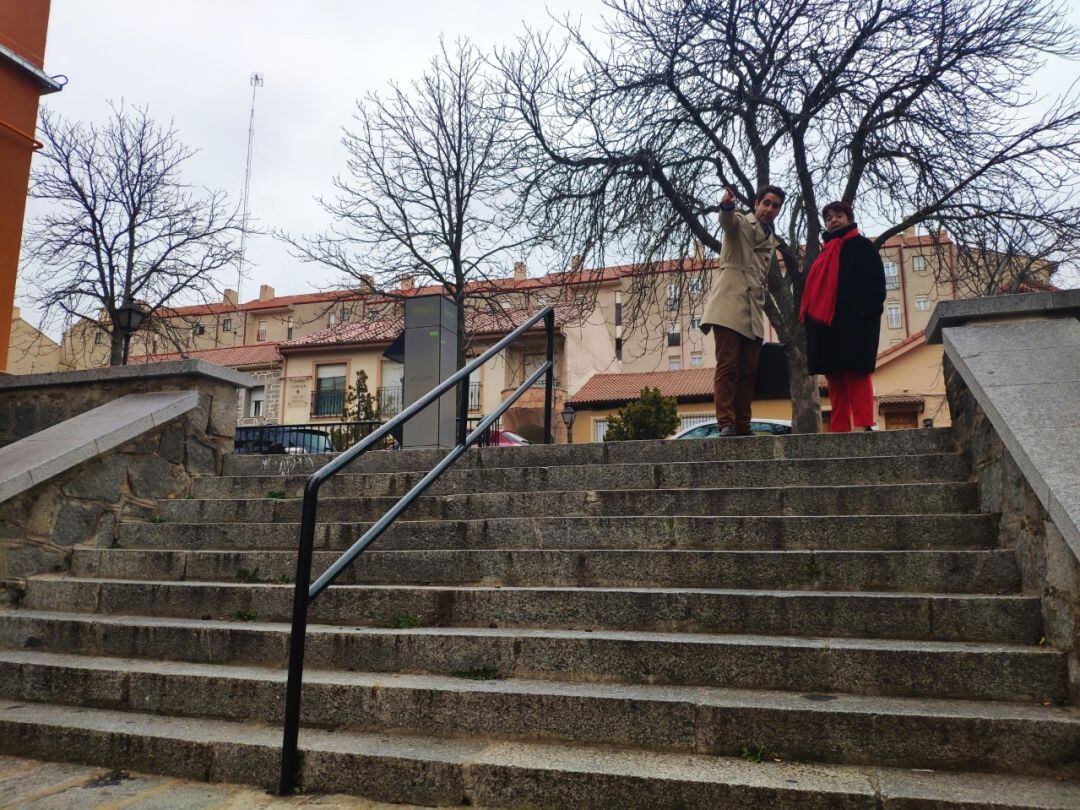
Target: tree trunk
pixel 116 348
pixel 805 402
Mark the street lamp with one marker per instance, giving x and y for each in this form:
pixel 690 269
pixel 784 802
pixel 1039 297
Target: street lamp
pixel 568 420
pixel 129 318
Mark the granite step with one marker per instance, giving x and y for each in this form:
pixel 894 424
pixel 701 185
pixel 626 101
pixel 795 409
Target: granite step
pixel 987 571
pixel 796 446
pixel 869 666
pixel 452 771
pixel 940 617
pixel 896 732
pixel 889 499
pixel 731 532
pixel 945 467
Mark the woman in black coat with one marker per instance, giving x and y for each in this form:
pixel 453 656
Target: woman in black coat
pixel 842 303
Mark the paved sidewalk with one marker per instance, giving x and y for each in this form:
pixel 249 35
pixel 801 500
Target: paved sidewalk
pixel 28 783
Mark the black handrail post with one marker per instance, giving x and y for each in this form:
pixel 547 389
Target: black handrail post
pixel 290 754
pixel 463 410
pixel 549 378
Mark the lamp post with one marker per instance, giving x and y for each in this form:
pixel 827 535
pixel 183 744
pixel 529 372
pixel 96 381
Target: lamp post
pixel 568 420
pixel 129 318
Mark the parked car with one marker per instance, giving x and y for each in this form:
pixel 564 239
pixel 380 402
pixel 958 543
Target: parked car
pixel 759 427
pixel 272 439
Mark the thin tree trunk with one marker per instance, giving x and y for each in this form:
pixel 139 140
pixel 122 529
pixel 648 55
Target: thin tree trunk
pixel 805 402
pixel 116 348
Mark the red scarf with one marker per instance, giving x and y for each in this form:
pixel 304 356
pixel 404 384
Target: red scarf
pixel 822 281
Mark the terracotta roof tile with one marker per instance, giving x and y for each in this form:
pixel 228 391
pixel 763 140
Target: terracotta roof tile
pixel 261 354
pixel 618 388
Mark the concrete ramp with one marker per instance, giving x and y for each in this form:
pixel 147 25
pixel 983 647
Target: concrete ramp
pixel 44 455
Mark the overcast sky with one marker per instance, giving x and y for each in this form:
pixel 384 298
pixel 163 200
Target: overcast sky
pixel 191 62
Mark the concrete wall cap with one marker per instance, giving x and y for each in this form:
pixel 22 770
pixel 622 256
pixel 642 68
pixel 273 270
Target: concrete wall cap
pixel 1061 303
pixel 143 371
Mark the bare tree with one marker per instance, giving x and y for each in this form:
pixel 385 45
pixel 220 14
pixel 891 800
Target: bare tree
pixel 918 110
pixel 121 224
pixel 428 195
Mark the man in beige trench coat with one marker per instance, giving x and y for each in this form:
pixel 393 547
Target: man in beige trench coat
pixel 735 311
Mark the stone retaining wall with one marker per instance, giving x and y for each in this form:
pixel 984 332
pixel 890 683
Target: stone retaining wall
pixel 1047 563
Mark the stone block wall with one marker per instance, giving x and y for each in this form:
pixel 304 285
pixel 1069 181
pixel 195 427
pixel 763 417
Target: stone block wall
pixel 271 382
pixel 1048 566
pixel 84 505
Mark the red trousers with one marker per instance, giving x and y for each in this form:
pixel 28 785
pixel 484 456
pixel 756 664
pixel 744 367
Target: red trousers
pixel 733 381
pixel 852 396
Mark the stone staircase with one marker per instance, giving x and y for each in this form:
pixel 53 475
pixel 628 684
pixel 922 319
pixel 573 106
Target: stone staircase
pixel 802 621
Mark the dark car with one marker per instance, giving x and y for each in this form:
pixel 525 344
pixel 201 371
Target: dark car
pixel 269 439
pixel 759 427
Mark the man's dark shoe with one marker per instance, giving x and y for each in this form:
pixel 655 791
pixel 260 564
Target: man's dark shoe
pixel 727 430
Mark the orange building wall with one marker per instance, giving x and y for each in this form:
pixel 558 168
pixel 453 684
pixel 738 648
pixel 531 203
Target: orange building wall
pixel 23 27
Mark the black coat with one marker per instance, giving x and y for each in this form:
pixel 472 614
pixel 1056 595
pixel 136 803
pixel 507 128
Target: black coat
pixel 851 342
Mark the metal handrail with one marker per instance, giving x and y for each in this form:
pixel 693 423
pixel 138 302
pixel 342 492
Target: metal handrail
pixel 305 592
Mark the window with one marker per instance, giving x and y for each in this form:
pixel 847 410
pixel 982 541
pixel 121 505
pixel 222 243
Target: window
pixel 674 363
pixel 288 330
pixel 696 360
pixel 618 313
pixel 893 311
pixel 260 334
pixel 894 342
pixel 474 394
pixel 672 296
pixel 331 320
pixel 695 322
pixel 922 303
pixel 226 325
pixel 618 349
pixel 694 287
pixel 345 314
pixel 673 336
pixel 97 338
pixel 198 329
pixel 256 398
pixel 599 429
pixel 892 276
pixel 918 264
pixel 329 398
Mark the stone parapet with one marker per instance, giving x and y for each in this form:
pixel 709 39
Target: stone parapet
pixel 83 500
pixel 1013 383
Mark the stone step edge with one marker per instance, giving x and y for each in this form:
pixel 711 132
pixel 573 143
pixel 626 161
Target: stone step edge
pixel 952 454
pixel 1015 597
pixel 487 773
pixel 908 486
pixel 885 707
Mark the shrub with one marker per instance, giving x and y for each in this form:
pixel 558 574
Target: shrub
pixel 652 416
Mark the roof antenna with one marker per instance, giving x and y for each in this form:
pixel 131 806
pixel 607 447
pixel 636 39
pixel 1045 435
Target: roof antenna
pixel 256 83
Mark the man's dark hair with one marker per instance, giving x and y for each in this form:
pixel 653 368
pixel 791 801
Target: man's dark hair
pixel 761 192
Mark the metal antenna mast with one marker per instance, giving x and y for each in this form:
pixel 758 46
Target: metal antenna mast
pixel 256 83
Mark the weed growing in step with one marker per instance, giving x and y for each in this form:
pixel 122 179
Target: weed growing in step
pixel 245 575
pixel 753 753
pixel 477 674
pixel 157 519
pixel 813 570
pixel 284 579
pixel 403 622
pixel 249 615
pixel 276 494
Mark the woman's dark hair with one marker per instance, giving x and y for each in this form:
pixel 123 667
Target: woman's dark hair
pixel 841 206
pixel 761 192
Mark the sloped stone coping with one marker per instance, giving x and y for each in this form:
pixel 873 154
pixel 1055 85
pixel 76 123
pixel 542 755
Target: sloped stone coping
pixel 1043 305
pixel 143 371
pixel 44 455
pixel 1026 378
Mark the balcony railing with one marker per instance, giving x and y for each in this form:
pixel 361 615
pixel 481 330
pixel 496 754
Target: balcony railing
pixel 328 403
pixel 391 399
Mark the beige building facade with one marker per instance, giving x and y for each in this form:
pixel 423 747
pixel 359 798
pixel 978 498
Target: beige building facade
pixel 30 350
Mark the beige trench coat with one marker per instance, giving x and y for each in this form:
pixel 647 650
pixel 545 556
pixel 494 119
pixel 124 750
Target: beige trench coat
pixel 737 297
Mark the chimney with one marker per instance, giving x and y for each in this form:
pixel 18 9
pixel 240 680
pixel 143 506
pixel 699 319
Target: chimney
pixel 576 262
pixel 910 232
pixel 407 283
pixel 369 282
pixel 230 297
pixel 520 271
pixel 266 292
